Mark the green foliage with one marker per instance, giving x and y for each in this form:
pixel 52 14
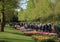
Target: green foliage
pixel 9 8
pixel 42 11
pixel 37 9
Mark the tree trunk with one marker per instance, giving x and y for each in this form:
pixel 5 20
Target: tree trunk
pixel 3 18
pixel 2 23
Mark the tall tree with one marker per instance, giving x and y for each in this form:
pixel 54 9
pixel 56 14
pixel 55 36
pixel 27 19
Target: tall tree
pixel 8 6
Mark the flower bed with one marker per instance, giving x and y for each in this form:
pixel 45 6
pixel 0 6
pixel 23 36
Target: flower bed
pixel 30 32
pixel 44 38
pixel 41 37
pixel 47 33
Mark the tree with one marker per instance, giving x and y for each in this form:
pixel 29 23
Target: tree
pixel 8 7
pixel 55 10
pixel 42 11
pixel 37 9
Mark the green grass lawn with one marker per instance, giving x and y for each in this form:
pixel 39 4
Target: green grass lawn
pixel 12 35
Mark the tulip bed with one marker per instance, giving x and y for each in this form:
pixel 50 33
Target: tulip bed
pixel 40 33
pixel 44 38
pixel 30 32
pixel 39 36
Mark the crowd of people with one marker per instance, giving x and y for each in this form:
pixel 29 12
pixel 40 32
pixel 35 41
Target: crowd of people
pixel 38 27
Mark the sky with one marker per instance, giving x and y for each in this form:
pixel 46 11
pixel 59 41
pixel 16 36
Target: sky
pixel 53 1
pixel 23 4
